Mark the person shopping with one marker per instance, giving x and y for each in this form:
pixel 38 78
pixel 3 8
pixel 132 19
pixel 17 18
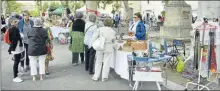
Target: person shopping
pixel 49 42
pixel 138 27
pixel 37 48
pixel 90 29
pixel 103 57
pixel 24 26
pixel 16 47
pixel 77 37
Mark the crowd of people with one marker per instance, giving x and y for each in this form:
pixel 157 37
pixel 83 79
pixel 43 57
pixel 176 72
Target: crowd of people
pixel 31 43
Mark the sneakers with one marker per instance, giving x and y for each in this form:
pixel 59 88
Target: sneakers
pixel 27 68
pixel 17 80
pixel 104 79
pixel 34 78
pixel 75 64
pixel 94 79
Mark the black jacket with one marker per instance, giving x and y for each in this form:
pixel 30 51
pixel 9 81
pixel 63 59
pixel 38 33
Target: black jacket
pixel 14 37
pixel 78 25
pixel 37 41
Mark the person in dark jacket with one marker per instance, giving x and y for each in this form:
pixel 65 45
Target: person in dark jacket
pixel 3 20
pixel 16 47
pixel 77 39
pixel 24 26
pixel 37 48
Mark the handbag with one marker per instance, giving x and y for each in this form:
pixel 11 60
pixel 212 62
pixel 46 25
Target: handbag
pixel 99 43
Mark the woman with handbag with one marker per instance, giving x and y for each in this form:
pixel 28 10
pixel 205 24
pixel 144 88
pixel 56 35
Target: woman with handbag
pixel 77 39
pixel 37 49
pixel 49 42
pixel 104 46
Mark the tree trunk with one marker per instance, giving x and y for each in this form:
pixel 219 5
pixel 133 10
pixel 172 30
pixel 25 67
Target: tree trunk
pixel 104 6
pixel 91 5
pixel 128 15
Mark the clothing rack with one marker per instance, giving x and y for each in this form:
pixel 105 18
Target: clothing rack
pixel 203 27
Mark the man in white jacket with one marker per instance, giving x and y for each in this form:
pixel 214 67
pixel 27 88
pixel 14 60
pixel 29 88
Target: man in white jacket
pixel 90 29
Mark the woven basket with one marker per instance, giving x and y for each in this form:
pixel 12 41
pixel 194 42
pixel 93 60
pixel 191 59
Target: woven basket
pixel 139 45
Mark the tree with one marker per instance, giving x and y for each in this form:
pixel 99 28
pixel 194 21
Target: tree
pixel 128 14
pixel 39 5
pixel 54 6
pixel 13 6
pixel 45 6
pixel 117 5
pixel 104 3
pixel 65 3
pixel 74 5
pixel 166 2
pixel 34 13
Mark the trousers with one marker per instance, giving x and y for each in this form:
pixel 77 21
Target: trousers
pixel 90 57
pixel 33 64
pixel 27 60
pixel 17 59
pixel 75 57
pixel 102 59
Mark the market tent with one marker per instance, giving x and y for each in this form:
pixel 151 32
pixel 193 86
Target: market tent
pixel 58 10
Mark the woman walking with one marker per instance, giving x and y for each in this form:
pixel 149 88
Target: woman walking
pixel 16 47
pixel 103 57
pixel 49 44
pixel 37 48
pixel 77 39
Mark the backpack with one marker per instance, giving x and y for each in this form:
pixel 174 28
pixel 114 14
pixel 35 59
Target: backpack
pixel 6 37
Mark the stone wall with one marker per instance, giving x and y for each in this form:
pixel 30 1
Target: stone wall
pixel 209 9
pixel 178 20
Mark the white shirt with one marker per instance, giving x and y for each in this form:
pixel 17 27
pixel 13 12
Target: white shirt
pixel 133 27
pixel 18 49
pixel 88 39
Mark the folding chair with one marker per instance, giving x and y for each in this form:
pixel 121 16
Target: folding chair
pixel 176 52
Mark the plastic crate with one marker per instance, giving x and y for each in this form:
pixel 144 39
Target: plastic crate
pixel 139 59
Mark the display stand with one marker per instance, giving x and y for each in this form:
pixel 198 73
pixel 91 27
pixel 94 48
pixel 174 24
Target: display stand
pixel 203 27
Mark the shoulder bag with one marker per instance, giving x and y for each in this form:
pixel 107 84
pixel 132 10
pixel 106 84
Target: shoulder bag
pixel 99 43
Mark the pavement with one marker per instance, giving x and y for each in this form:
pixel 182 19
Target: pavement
pixel 63 76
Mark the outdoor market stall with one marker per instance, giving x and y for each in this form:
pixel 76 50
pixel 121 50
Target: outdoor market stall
pixel 123 60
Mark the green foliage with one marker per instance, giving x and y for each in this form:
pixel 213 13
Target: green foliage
pixel 45 6
pixel 104 3
pixel 39 4
pixel 54 6
pixel 35 12
pixel 163 13
pixel 13 6
pixel 65 3
pixel 117 5
pixel 166 2
pixel 74 5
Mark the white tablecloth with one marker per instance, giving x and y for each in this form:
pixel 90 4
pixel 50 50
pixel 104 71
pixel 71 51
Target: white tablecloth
pixel 57 30
pixel 120 63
